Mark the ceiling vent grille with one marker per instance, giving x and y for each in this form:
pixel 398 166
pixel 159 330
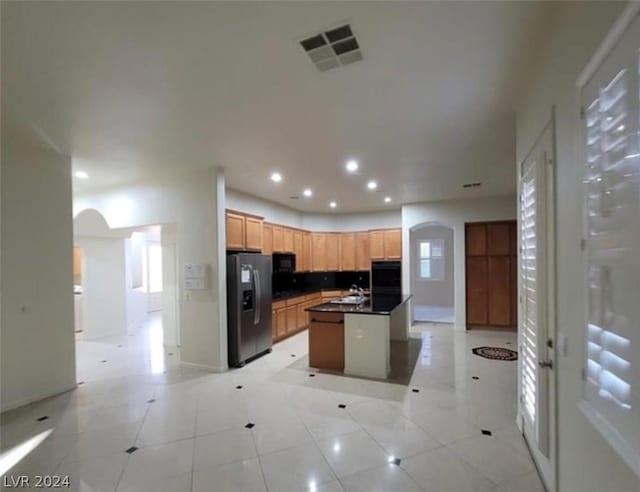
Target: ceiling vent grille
pixel 332 48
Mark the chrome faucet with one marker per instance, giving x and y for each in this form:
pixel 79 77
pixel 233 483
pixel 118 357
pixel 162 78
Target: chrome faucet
pixel 359 291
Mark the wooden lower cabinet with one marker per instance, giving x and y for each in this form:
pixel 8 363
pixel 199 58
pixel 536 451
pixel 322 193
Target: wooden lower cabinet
pixel 326 341
pixel 281 322
pixel 289 316
pixel 292 321
pixel 301 318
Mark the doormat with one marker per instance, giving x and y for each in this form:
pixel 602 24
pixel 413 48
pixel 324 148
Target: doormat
pixel 495 353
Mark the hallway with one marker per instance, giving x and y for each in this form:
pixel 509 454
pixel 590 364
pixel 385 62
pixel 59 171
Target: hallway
pixel 141 351
pixel 189 427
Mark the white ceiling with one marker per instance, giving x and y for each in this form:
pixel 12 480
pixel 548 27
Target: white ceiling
pixel 137 89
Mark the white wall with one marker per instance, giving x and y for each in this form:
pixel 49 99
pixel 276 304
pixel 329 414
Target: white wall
pixel 352 222
pixel 36 294
pixel 432 292
pixel 103 286
pixel 279 214
pixel 272 212
pixel 170 300
pixel 586 462
pixel 112 305
pixel 189 202
pixel 454 214
pixel 136 296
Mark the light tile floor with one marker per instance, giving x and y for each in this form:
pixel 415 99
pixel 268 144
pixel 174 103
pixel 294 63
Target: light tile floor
pixel 189 426
pixel 433 314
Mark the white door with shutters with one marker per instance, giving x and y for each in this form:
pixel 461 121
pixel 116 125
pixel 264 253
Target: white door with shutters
pixel 536 327
pixel 611 145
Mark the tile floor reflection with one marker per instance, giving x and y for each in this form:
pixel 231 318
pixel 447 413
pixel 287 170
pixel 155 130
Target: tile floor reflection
pixel 327 433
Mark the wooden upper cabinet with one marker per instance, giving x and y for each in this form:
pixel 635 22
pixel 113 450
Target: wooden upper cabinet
pixel 393 244
pixel 363 261
pixel 298 250
pixel 376 245
pixel 267 239
pixel 235 227
pixel 318 252
pixel 476 239
pixel 306 251
pixel 243 231
pixel 253 233
pixel 278 239
pixel 348 251
pixel 288 240
pixel 333 251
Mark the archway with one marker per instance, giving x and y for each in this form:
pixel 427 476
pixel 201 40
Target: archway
pixel 431 258
pixel 125 302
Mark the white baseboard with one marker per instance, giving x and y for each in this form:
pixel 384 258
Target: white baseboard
pixel 204 366
pixel 36 398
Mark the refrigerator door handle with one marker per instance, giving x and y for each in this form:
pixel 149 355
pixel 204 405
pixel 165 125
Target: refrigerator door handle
pixel 258 296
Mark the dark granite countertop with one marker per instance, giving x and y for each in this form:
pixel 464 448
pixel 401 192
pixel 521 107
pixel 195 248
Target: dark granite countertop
pixel 283 296
pixel 377 304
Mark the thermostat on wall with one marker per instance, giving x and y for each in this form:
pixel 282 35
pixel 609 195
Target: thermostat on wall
pixel 195 277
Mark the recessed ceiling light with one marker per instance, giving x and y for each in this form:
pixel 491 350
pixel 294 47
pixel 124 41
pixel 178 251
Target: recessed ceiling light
pixel 372 185
pixel 333 204
pixel 308 192
pixel 387 199
pixel 352 166
pixel 276 177
pixel 81 175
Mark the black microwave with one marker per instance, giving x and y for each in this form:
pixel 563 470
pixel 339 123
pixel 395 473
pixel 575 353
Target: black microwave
pixel 284 263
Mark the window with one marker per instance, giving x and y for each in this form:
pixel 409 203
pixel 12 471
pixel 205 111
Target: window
pixel 431 259
pixel 611 375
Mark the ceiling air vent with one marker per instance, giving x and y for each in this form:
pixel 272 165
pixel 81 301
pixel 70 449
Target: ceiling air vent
pixel 472 185
pixel 333 48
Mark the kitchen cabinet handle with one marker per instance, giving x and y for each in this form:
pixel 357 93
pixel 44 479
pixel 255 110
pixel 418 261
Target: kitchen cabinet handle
pixel 341 322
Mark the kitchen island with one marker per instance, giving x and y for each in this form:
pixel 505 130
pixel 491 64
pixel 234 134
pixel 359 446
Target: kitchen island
pixel 356 339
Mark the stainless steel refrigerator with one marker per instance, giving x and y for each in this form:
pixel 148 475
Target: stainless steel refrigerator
pixel 248 306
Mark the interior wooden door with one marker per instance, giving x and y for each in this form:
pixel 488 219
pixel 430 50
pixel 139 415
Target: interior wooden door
pixel 491 270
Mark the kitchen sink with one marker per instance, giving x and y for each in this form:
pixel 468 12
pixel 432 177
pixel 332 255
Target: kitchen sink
pixel 350 300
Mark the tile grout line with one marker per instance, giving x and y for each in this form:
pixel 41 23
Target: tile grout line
pixel 134 442
pixel 315 443
pixel 255 446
